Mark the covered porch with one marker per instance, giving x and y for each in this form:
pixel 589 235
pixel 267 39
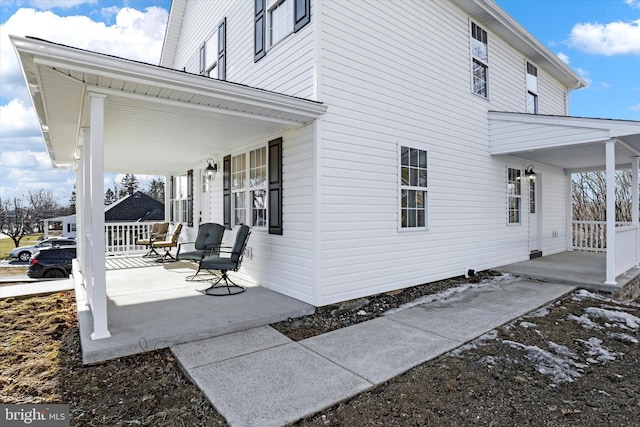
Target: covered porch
pixel 151 306
pixel 578 144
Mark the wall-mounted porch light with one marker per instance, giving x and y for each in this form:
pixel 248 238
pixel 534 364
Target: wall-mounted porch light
pixel 529 174
pixel 211 169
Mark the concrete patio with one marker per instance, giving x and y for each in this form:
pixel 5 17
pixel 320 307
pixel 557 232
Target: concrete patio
pixel 152 307
pixel 583 269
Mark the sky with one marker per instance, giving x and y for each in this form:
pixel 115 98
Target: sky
pixel 599 39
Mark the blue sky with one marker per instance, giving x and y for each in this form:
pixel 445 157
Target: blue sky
pixel 599 39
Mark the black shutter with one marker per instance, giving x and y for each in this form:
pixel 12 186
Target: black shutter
pixel 222 49
pixel 172 196
pixel 190 198
pixel 301 14
pixel 259 27
pixel 275 186
pixel 226 192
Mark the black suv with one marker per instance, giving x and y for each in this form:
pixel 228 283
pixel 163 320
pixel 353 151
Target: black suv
pixel 52 262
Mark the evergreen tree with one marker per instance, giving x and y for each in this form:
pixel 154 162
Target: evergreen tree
pixel 130 184
pixel 156 190
pixel 109 197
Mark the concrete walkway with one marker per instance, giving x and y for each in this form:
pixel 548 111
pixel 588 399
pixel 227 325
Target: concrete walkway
pixel 259 377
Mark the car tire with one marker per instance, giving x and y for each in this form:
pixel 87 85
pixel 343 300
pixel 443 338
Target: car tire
pixel 24 256
pixel 54 274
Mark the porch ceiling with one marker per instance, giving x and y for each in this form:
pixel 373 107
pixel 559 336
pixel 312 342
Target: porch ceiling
pixel 571 143
pixel 157 120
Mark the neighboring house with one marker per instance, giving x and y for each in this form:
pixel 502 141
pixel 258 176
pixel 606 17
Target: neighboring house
pixel 371 146
pixel 135 207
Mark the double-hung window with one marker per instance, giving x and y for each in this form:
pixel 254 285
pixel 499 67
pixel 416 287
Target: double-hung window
pixel 213 53
pixel 182 198
pixel 532 88
pixel 276 19
pixel 514 195
pixel 413 188
pixel 252 188
pixel 480 61
pixel 249 188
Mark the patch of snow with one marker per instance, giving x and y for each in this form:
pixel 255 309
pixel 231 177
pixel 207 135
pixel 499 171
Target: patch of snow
pixel 361 313
pixel 478 342
pixel 596 349
pixel 559 367
pixel 562 350
pixel 623 337
pixel 541 312
pixel 452 294
pixel 585 321
pixel 622 319
pixel 528 325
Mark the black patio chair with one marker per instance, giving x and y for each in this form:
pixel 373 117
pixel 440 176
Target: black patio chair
pixel 207 242
pixel 225 264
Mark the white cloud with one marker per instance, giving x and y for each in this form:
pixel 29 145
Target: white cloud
pixel 17 120
pixel 635 107
pixel 615 38
pixel 585 75
pixel 633 3
pixel 563 57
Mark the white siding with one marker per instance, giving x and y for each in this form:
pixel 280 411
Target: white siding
pixel 287 68
pixel 396 75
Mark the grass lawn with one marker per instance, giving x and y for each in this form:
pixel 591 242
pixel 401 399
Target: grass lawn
pixel 6 244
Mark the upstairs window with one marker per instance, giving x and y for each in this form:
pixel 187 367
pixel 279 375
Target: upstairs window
pixel 532 88
pixel 413 188
pixel 276 19
pixel 480 61
pixel 213 53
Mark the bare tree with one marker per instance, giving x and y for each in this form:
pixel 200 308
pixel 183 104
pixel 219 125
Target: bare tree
pixel 589 196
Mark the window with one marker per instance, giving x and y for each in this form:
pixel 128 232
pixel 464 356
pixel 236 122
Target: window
pixel 532 196
pixel 182 198
pixel 213 53
pixel 532 88
pixel 480 61
pixel 514 195
pixel 252 188
pixel 275 19
pixel 413 188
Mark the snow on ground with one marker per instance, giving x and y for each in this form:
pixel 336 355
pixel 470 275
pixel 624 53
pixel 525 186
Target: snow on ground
pixel 560 367
pixel 453 294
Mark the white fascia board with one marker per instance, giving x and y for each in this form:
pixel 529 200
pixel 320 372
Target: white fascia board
pixel 174 23
pixel 49 54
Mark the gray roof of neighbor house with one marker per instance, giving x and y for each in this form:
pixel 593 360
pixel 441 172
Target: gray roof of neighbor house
pixel 135 207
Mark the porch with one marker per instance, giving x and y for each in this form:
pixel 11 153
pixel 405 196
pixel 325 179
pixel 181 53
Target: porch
pixel 586 270
pixel 151 306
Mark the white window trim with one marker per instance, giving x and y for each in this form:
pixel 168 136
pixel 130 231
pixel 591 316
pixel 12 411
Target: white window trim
pixel 531 82
pixel 247 189
pixel 210 46
pixel 270 7
pixel 473 58
pixel 509 196
pixel 400 228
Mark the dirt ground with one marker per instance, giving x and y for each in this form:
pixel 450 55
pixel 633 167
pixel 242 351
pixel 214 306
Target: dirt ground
pixel 574 363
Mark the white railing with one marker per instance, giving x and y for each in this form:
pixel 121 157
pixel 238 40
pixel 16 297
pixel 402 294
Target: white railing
pixel 591 236
pixel 120 237
pixel 626 247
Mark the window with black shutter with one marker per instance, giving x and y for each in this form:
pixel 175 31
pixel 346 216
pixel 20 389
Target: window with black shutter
pixel 302 14
pixel 275 186
pixel 190 198
pixel 222 49
pixel 259 27
pixel 226 192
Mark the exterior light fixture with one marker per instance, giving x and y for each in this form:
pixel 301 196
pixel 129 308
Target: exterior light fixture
pixel 211 169
pixel 529 174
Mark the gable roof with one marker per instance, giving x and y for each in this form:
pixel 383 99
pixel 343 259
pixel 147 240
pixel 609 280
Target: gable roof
pixel 135 207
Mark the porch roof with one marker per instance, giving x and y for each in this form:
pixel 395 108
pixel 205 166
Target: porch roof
pixel 157 119
pixel 571 143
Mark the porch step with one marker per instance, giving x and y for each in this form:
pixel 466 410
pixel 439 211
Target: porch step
pixel 535 254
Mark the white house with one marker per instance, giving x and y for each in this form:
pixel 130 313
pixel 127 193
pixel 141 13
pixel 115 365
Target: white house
pixel 371 146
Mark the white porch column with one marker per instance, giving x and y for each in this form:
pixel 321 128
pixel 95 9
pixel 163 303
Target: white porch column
pixel 83 209
pixel 96 189
pixel 610 154
pixel 635 203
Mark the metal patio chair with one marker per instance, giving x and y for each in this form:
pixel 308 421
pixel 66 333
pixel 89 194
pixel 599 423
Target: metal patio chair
pixel 167 244
pixel 208 242
pixel 158 231
pixel 225 264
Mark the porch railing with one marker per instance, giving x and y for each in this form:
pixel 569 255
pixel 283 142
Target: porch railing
pixel 591 236
pixel 120 237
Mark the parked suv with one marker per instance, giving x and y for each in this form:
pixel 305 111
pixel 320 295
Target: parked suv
pixel 52 262
pixel 23 253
